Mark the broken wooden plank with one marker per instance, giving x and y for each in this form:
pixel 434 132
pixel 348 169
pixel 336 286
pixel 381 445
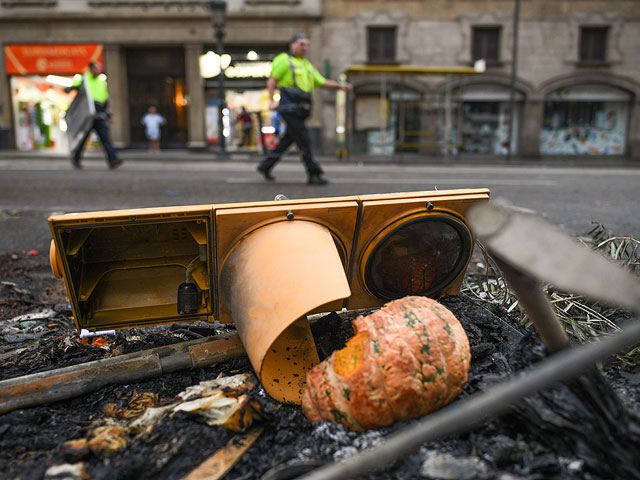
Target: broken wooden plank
pixel 216 466
pixel 70 382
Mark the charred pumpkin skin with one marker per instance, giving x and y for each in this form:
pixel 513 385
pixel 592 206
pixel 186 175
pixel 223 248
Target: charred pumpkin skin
pixel 405 360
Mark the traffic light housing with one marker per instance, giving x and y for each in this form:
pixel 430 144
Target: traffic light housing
pixel 263 266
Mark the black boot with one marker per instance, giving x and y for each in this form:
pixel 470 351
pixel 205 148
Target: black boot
pixel 75 161
pixel 115 163
pixel 265 173
pixel 317 179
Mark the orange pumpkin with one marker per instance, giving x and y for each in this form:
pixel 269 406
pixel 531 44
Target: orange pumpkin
pixel 404 361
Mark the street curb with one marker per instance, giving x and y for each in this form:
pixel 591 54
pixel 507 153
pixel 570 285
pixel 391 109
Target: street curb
pixel 359 159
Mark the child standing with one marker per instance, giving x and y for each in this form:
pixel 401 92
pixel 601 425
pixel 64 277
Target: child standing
pixel 152 122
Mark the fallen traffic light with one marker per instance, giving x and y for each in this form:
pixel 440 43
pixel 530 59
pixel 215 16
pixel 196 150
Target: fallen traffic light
pixel 263 266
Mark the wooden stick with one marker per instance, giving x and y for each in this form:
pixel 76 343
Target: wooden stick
pixel 223 460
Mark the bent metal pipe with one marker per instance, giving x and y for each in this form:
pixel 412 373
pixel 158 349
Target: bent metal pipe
pixel 70 382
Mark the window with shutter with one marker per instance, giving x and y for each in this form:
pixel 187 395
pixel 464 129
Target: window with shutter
pixel 486 44
pixel 593 44
pixel 381 45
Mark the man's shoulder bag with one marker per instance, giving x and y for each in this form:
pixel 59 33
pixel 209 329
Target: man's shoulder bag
pixel 294 99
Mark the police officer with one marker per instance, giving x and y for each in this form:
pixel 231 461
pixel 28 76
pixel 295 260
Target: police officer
pixel 296 78
pixel 97 87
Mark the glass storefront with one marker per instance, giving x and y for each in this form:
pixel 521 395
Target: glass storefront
pixel 39 103
pixel 38 74
pixel 246 71
pixel 481 119
pixel 585 120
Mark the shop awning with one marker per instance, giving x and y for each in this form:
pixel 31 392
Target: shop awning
pixel 61 59
pixel 589 93
pixel 479 67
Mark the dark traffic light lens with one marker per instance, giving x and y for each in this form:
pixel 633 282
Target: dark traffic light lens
pixel 419 257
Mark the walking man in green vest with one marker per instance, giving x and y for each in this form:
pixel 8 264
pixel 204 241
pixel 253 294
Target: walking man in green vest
pixel 296 78
pixel 97 87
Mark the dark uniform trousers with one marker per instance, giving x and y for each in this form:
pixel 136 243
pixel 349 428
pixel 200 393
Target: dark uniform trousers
pixel 296 132
pixel 102 130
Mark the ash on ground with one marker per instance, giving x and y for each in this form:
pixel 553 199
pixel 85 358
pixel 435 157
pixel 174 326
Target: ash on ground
pixel 558 433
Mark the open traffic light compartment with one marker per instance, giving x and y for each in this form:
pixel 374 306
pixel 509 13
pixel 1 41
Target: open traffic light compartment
pixel 125 270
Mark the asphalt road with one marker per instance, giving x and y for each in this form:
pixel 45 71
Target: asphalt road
pixel 31 189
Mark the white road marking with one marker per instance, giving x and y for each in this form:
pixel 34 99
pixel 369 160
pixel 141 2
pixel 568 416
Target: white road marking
pixel 413 181
pixel 289 166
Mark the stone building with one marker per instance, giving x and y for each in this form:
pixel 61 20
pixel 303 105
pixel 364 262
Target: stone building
pixel 154 52
pixel 576 83
pixel 418 87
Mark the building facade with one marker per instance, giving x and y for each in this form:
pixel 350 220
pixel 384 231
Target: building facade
pixel 154 53
pixel 576 82
pixel 418 85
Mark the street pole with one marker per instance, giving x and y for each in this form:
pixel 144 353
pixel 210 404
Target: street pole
pixel 218 16
pixel 514 61
pixel 222 142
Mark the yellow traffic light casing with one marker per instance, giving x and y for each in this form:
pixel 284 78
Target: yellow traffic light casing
pixel 263 266
pixel 121 267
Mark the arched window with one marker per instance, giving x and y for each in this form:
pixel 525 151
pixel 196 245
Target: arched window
pixel 481 115
pixel 586 119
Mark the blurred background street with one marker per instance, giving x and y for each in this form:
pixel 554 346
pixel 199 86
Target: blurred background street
pixel 32 188
pixel 536 100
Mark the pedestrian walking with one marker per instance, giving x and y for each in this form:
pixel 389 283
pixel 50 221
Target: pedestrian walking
pixel 246 125
pixel 152 122
pixel 278 125
pixel 296 78
pixel 96 85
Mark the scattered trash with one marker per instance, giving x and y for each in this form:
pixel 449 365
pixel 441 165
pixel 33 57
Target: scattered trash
pixel 32 253
pixel 99 342
pixel 221 402
pixel 549 435
pixel 30 326
pixel 10 292
pixel 136 406
pixel 86 333
pixel 104 440
pixel 67 471
pixel 444 466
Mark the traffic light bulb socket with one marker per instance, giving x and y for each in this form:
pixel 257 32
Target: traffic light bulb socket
pixel 188 298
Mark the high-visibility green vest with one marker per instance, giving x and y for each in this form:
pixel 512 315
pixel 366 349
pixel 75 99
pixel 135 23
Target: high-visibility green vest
pixel 307 77
pixel 97 87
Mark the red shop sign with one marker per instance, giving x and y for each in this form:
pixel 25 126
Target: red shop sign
pixel 61 59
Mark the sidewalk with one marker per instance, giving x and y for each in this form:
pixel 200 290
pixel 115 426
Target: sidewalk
pixel 359 159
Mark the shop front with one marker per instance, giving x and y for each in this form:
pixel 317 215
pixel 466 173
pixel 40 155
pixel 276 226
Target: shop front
pixel 585 120
pixel 481 119
pixel 156 77
pixel 38 75
pixel 246 69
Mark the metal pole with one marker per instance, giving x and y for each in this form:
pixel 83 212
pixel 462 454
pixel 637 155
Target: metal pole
pixel 221 95
pixel 70 382
pixel 534 301
pixel 448 120
pixel 514 61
